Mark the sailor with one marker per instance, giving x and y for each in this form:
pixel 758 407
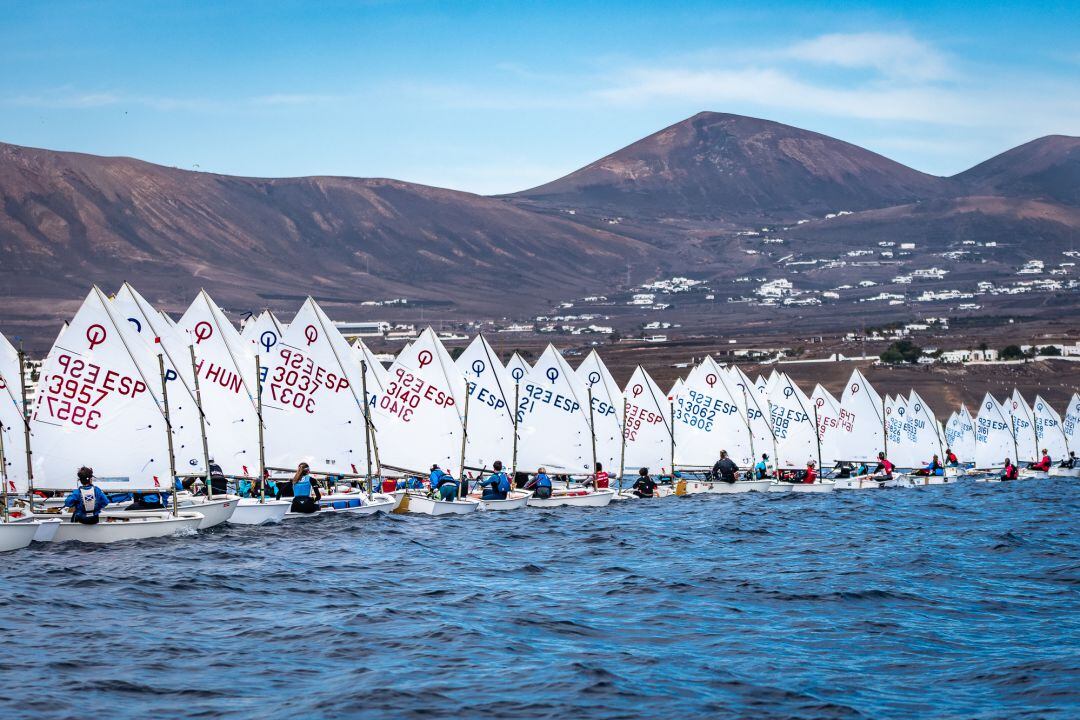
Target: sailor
pixel 862 469
pixel 442 484
pixel 761 469
pixel 1069 462
pixel 644 487
pixel 932 468
pixel 218 482
pixel 810 474
pixel 147 501
pixel 1009 472
pixel 540 485
pixel 843 469
pixel 884 467
pixel 600 480
pixel 1045 464
pixel 86 501
pixel 302 488
pixel 725 468
pixel 950 458
pixel 244 487
pixel 496 487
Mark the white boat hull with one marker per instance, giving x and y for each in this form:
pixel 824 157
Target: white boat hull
pixel 16 535
pixel 352 503
pixel 574 498
pixel 920 480
pixel 249 511
pixel 423 505
pixel 1065 472
pixel 215 512
pixel 47 528
pixel 823 486
pixel 516 500
pixel 862 482
pixel 121 525
pixel 1026 474
pixel 725 488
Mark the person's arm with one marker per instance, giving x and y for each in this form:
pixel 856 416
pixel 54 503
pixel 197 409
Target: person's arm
pixel 102 498
pixel 72 499
pixel 315 489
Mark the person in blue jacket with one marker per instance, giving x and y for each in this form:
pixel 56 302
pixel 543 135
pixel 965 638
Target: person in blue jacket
pixel 303 487
pixel 148 501
pixel 761 470
pixel 443 484
pixel 540 485
pixel 496 487
pixel 87 501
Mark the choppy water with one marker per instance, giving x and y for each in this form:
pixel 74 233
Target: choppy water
pixel 953 601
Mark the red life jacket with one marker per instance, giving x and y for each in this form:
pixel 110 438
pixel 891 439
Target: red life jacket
pixel 1043 464
pixel 1011 472
pixel 952 458
pixel 889 467
pixel 602 479
pixel 811 476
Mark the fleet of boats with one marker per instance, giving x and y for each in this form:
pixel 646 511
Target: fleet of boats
pixel 145 400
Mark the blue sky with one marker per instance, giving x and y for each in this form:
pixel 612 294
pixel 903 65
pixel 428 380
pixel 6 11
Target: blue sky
pixel 499 96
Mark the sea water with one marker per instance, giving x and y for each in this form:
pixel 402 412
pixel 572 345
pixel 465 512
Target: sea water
pixel 943 601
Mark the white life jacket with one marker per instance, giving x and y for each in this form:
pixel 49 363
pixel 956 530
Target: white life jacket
pixel 88 498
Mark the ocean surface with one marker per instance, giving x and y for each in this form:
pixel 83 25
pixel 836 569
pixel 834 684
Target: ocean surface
pixel 948 601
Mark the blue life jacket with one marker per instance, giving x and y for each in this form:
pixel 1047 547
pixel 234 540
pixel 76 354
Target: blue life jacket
pixel 302 487
pixel 244 488
pixel 761 470
pixel 436 477
pixel 542 480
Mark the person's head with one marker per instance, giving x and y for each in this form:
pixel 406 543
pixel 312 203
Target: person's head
pixel 1044 451
pixel 434 467
pixel 764 456
pixel 1072 453
pixel 723 454
pixel 881 456
pixel 1008 462
pixel 599 467
pixel 541 471
pixel 935 457
pixel 811 464
pixel 643 472
pixel 301 470
pixel 497 465
pixel 86 475
pixel 948 451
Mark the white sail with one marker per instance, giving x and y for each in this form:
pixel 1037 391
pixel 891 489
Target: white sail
pixel 161 337
pixel 553 418
pixel 12 418
pixel 675 387
pixel 1023 427
pixel 708 418
pixel 860 433
pixel 99 404
pixel 756 411
pixel 263 332
pixel 313 405
pixel 793 424
pixel 419 420
pixel 228 386
pixel 1048 429
pixel 925 431
pixel 491 406
pixel 517 367
pixel 647 425
pixel 826 411
pixel 954 435
pixel 993 437
pixel 375 375
pixel 607 401
pixel 895 412
pixel 1071 424
pixel 965 443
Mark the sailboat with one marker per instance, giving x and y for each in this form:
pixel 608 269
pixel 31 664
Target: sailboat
pixel 795 434
pixel 994 439
pixel 647 434
pixel 101 403
pixel 489 423
pixel 555 433
pixel 1070 428
pixel 420 421
pixel 314 411
pixel 224 369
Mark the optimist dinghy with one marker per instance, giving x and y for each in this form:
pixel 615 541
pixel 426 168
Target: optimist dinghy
pixel 1065 472
pixel 515 500
pixel 417 501
pixel 860 482
pixel 16 535
pixel 574 497
pixel 354 503
pixel 250 511
pixel 709 487
pixel 120 525
pixel 819 486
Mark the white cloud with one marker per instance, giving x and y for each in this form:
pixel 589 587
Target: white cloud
pixel 892 55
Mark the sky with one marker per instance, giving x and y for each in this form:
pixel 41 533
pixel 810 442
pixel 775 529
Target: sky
pixel 494 97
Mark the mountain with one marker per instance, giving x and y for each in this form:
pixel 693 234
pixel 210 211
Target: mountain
pixel 1043 169
pixel 722 166
pixel 68 220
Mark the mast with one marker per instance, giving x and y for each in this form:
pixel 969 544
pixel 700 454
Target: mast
pixel 3 473
pixel 775 447
pixel 592 432
pixel 262 446
pixel 26 429
pixel 884 429
pixel 749 427
pixel 168 431
pixel 462 487
pixel 817 436
pixel 367 426
pixel 202 424
pixel 671 432
pixel 513 460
